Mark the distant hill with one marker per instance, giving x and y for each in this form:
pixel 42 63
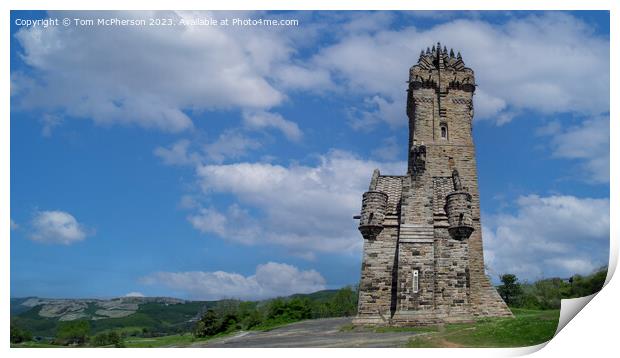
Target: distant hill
pixel 157 315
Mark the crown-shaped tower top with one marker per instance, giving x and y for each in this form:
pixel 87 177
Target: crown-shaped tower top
pixel 441 69
pixel 440 59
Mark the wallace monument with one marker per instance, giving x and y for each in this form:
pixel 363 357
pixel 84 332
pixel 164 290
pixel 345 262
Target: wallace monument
pixel 423 261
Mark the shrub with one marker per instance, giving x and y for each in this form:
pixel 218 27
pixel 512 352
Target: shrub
pixel 510 290
pixel 208 325
pixel 108 339
pixel 548 293
pixel 72 332
pixel 19 335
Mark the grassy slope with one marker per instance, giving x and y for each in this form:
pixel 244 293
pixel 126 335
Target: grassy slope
pixel 529 327
pixel 37 325
pixel 155 317
pixel 175 340
pixel 152 316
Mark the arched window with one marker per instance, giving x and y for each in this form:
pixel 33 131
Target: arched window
pixel 444 131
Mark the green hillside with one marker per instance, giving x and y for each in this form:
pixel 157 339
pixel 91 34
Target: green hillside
pixel 153 317
pixel 17 307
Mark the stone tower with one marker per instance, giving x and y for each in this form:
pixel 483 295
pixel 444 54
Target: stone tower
pixel 423 261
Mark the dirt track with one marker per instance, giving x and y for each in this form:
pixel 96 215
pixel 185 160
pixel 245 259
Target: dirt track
pixel 312 333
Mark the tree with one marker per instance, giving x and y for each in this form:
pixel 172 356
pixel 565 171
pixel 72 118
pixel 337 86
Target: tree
pixel 229 322
pixel 510 290
pixel 19 335
pixel 344 302
pixel 108 339
pixel 548 292
pixel 277 308
pixel 298 309
pixel 583 286
pixel 253 318
pixel 73 332
pixel 208 325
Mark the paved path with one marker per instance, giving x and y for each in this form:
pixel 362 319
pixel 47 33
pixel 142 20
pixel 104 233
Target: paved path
pixel 312 333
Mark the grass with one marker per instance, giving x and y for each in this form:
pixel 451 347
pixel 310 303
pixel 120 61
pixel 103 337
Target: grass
pixel 422 329
pixel 529 327
pixel 33 344
pixel 271 325
pixel 176 340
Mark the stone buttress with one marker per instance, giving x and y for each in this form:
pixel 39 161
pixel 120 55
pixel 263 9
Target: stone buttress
pixel 423 260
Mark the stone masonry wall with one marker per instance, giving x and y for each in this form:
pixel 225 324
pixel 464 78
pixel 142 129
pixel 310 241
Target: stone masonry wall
pixel 453 281
pixel 421 257
pixel 375 297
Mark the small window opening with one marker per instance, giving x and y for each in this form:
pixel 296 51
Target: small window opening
pixel 444 132
pixel 416 284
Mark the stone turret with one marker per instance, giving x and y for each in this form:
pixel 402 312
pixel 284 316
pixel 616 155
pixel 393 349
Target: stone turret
pixel 458 209
pixel 373 213
pixel 374 204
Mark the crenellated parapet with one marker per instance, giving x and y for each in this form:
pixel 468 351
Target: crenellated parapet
pixel 441 70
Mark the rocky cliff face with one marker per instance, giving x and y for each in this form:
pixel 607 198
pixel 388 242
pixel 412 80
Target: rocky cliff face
pixel 92 309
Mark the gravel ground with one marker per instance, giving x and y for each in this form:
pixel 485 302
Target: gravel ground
pixel 312 333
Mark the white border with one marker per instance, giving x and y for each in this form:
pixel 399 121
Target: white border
pixel 591 332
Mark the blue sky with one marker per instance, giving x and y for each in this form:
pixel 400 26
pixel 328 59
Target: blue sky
pixel 210 162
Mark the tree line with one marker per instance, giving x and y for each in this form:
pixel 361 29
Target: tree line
pixel 233 315
pixel 547 293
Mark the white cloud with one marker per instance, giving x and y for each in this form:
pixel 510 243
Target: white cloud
pixel 230 145
pixel 303 78
pixel 149 76
pixel 587 142
pixel 177 154
pixel 135 294
pixel 235 225
pixel 547 63
pixel 389 150
pixel 56 227
pixel 262 119
pixel 303 208
pixel 188 202
pixel 49 122
pixel 487 106
pixel 368 22
pixel 155 77
pixel 548 236
pixel 270 280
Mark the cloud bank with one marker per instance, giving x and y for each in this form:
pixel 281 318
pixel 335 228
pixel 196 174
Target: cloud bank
pixel 306 209
pixel 270 280
pixel 554 236
pixel 157 77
